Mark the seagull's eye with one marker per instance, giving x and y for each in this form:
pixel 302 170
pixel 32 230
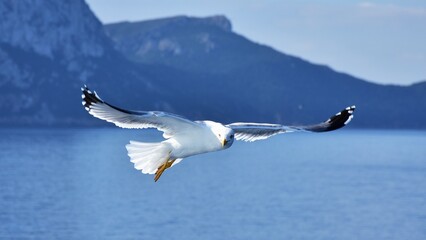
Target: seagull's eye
pixel 220 135
pixel 232 136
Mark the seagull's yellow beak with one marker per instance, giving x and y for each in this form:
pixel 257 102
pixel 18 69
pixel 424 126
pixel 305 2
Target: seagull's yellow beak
pixel 224 142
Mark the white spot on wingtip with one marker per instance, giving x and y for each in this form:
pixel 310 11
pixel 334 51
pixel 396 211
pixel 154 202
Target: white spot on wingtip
pixel 83 103
pixel 348 108
pixel 350 111
pixel 96 95
pixel 82 96
pixel 87 109
pixel 349 119
pixel 338 113
pixel 353 106
pixel 82 89
pixel 90 92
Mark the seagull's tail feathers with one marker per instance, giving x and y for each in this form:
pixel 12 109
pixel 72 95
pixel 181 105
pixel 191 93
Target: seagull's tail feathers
pixel 148 157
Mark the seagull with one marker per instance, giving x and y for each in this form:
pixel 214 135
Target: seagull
pixel 185 138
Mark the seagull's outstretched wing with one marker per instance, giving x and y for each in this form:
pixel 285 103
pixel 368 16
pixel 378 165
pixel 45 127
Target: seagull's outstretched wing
pixel 257 131
pixel 169 123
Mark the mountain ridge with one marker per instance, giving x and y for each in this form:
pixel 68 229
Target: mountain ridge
pixel 195 67
pixel 281 78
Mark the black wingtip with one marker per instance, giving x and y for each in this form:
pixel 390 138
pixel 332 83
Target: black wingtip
pixel 341 119
pixel 89 98
pixel 337 121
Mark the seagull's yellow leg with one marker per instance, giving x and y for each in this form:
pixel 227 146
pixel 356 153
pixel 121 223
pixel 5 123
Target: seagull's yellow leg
pixel 162 168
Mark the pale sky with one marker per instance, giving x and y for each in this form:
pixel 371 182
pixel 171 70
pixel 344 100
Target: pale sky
pixel 380 41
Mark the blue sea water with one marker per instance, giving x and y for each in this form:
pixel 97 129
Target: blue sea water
pixel 79 184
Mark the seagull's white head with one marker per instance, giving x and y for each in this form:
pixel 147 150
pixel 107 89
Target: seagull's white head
pixel 224 134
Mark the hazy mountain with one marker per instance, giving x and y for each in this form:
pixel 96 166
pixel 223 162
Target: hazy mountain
pixel 197 67
pixel 48 50
pixel 277 87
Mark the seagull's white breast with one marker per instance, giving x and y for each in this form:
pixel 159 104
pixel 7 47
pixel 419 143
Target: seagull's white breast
pixel 194 142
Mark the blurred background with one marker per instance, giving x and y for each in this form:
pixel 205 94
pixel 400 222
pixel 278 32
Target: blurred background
pixel 66 175
pixel 148 55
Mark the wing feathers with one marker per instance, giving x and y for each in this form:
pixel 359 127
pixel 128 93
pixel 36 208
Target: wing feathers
pixel 250 132
pixel 170 124
pixel 337 121
pixel 257 131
